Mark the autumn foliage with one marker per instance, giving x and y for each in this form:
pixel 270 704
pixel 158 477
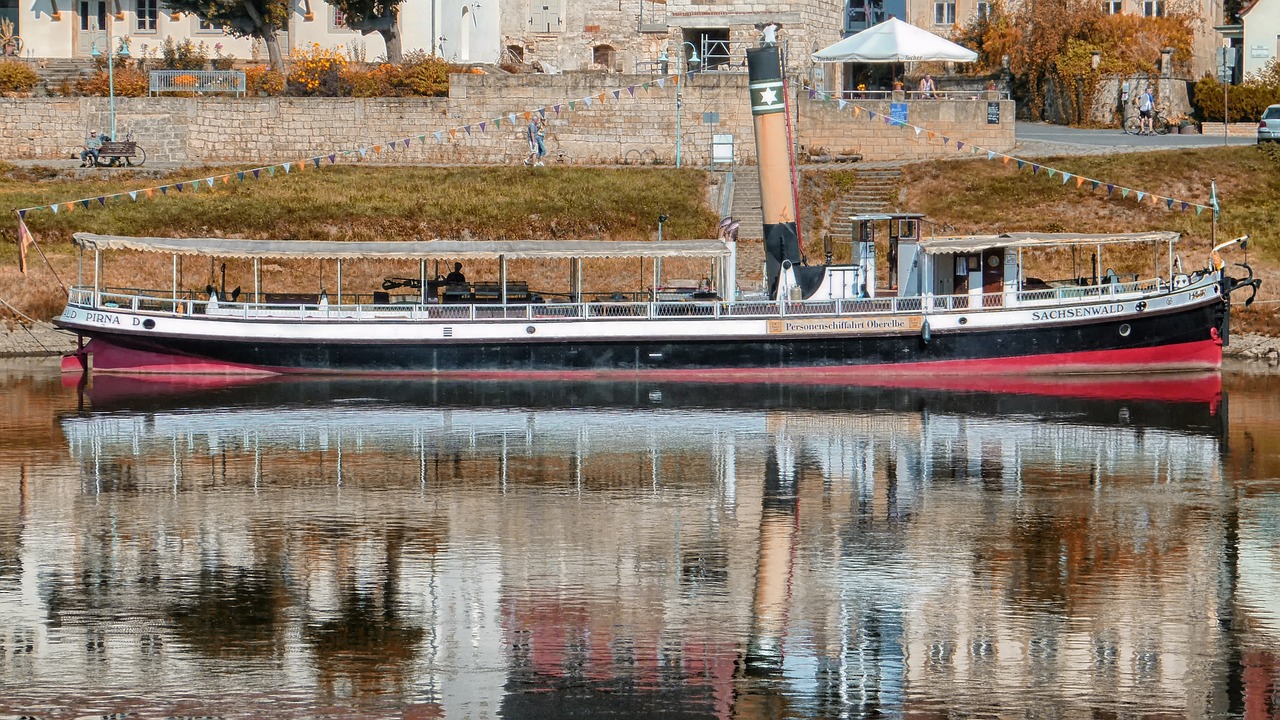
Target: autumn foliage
pixel 1055 40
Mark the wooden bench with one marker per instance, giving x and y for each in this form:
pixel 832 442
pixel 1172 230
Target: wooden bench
pixel 113 152
pixel 482 292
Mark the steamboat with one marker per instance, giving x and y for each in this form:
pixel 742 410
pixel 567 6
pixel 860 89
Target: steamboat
pixel 901 303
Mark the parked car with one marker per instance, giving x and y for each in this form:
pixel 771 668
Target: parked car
pixel 1269 125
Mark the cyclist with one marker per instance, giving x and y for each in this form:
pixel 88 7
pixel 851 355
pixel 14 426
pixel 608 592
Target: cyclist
pixel 1146 107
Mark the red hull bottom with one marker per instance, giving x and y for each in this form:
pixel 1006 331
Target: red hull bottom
pixel 1200 355
pixel 1181 375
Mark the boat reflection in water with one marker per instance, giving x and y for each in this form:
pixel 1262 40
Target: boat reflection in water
pixel 537 550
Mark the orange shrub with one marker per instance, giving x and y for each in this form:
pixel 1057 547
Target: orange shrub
pixel 17 77
pixel 262 79
pixel 129 82
pixel 315 70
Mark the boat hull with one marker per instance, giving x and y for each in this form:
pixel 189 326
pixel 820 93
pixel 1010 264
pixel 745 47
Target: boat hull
pixel 1182 338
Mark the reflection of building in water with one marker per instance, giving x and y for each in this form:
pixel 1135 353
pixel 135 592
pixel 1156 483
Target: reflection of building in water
pixel 821 561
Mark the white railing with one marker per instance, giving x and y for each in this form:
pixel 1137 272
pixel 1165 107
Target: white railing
pixel 154 302
pixel 197 81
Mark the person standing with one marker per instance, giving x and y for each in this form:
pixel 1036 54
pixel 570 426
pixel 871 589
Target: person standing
pixel 927 88
pixel 769 33
pixel 537 147
pixel 1146 106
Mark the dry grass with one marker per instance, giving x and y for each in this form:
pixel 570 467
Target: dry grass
pixel 347 203
pixel 980 196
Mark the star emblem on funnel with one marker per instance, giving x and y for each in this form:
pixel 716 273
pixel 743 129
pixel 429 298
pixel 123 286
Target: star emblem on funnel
pixel 768 97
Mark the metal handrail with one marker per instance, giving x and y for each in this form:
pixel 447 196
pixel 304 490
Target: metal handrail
pixel 199 81
pixel 917 95
pixel 185 304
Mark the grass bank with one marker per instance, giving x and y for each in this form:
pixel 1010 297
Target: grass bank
pixel 980 196
pixel 345 202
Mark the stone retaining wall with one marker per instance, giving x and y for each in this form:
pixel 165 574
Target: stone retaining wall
pixel 1244 129
pixel 826 127
pixel 638 126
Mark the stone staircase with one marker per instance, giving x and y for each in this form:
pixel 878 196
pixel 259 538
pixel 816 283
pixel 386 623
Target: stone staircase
pixel 875 191
pixel 55 71
pixel 746 202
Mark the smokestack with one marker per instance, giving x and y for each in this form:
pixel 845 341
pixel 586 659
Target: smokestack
pixel 773 151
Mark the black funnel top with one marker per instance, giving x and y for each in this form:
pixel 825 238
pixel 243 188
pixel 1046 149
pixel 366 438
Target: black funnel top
pixel 763 64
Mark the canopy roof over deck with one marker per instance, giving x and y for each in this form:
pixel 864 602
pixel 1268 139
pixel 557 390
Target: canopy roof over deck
pixel 407 250
pixel 1023 240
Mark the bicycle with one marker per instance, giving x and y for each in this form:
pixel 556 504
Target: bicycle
pixel 1159 124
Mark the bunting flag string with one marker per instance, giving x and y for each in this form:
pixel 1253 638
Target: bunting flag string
pixel 297 166
pixel 1005 158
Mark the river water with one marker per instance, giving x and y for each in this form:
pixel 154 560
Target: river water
pixel 360 549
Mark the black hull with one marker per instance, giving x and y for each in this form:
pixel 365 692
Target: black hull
pixel 1183 339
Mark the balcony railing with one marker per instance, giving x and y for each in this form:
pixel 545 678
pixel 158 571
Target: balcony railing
pixel 410 309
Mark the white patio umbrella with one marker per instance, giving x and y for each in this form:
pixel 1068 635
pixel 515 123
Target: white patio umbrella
pixel 894 41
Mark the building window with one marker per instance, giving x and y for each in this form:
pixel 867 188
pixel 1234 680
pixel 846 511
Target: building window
pixel 339 20
pixel 1153 8
pixel 983 11
pixel 1112 7
pixel 146 11
pixel 944 13
pixel 544 16
pixel 603 55
pixel 204 27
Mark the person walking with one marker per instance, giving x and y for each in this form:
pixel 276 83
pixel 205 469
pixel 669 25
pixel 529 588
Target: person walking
pixel 537 148
pixel 1146 107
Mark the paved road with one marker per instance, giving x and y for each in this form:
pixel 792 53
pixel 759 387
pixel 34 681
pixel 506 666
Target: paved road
pixel 1045 139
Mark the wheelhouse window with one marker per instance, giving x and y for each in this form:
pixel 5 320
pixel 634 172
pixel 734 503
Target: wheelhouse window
pixel 944 13
pixel 146 12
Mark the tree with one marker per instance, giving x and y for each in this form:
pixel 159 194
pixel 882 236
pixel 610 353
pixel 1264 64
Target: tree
pixel 374 16
pixel 260 19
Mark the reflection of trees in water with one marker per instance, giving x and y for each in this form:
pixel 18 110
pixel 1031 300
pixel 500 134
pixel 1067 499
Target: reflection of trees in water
pixel 232 610
pixel 366 648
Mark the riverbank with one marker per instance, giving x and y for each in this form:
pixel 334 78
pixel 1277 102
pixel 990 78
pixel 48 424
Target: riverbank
pixel 35 340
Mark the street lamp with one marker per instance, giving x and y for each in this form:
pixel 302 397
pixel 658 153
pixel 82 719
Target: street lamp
pixel 693 60
pixel 111 74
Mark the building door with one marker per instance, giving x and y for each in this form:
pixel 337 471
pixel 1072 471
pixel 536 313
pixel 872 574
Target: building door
pixel 91 25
